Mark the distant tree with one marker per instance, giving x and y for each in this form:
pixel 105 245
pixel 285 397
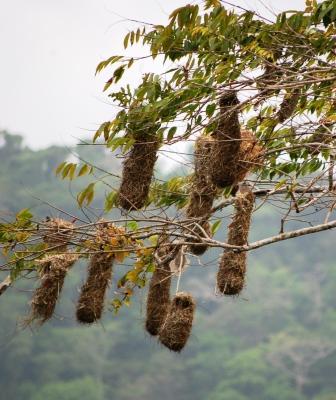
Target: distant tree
pixel 257 97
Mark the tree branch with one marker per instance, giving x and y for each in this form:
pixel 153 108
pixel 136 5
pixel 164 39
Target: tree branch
pixel 4 285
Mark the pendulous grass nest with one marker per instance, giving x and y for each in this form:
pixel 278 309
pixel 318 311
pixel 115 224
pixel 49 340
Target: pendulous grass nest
pixel 227 137
pixel 137 174
pixel 288 105
pixel 57 233
pixel 249 157
pixel 92 297
pixel 177 326
pixel 203 191
pixel 158 298
pixel 53 271
pixel 234 153
pixel 232 267
pixel 321 138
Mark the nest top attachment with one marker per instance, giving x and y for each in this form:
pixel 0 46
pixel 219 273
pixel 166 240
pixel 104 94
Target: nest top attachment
pixel 228 99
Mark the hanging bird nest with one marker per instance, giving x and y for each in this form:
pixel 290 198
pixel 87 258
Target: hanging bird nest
pixel 227 138
pixel 203 191
pixel 241 221
pixel 53 271
pixel 177 326
pixel 158 298
pixel 231 273
pixel 228 117
pixel 288 105
pixel 321 138
pixel 271 75
pixel 57 233
pixel 232 267
pixel 138 169
pixel 249 157
pixel 91 301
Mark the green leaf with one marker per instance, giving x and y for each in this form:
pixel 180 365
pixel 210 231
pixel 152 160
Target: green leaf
pixel 215 226
pixel 66 170
pixel 132 225
pixel 118 73
pixel 108 84
pixel 24 214
pixel 171 133
pixel 103 128
pixel 280 184
pixel 126 38
pixel 72 171
pixel 60 167
pixel 84 170
pixel 110 201
pixel 86 196
pixel 210 109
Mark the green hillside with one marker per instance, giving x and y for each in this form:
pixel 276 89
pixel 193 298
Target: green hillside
pixel 275 342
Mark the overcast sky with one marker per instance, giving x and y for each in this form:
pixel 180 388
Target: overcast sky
pixel 49 51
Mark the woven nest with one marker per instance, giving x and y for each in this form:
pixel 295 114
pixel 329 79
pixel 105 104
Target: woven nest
pixel 138 169
pixel 203 191
pixel 321 138
pixel 227 138
pixel 53 271
pixel 233 170
pixel 92 297
pixel 177 326
pixel 231 273
pixel 57 233
pixel 250 156
pixel 270 77
pixel 232 267
pixel 288 105
pixel 158 298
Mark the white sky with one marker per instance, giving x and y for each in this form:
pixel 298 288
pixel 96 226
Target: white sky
pixel 49 52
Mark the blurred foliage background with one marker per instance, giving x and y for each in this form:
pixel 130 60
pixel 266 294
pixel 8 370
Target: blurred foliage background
pixel 275 342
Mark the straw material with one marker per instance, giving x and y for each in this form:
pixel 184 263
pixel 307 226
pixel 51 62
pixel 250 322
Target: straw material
pixel 203 191
pixel 232 267
pixel 288 106
pixel 92 298
pixel 58 233
pixel 138 169
pixel 53 271
pixel 177 326
pixel 227 137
